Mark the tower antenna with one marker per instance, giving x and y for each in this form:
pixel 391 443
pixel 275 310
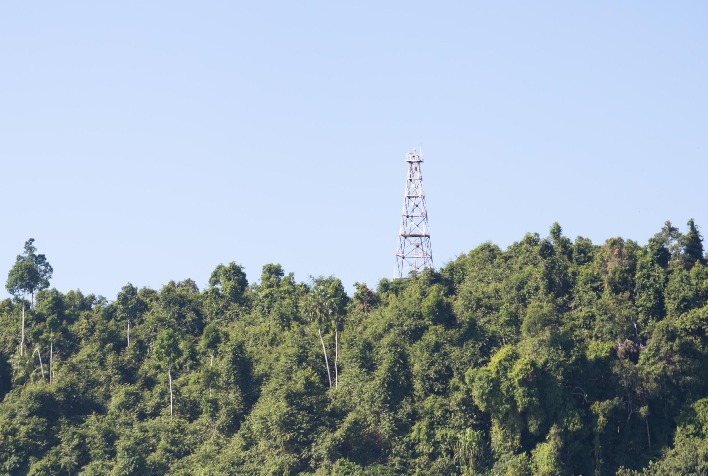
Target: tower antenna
pixel 414 252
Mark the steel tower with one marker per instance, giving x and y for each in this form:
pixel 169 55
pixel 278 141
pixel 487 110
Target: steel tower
pixel 414 252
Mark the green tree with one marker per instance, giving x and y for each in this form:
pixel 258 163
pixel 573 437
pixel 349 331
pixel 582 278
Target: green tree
pixel 277 295
pixel 692 244
pixel 364 297
pixel 30 274
pixel 650 282
pixel 182 304
pixel 227 286
pixel 167 351
pixel 670 239
pixel 336 308
pixel 316 309
pixel 210 340
pixel 325 306
pixel 129 306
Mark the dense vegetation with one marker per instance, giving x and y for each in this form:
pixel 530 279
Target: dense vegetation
pixel 551 357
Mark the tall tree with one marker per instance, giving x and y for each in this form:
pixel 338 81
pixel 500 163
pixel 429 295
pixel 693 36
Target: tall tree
pixel 316 309
pixel 129 306
pixel 336 301
pixel 227 288
pixel 692 243
pixel 31 273
pixel 229 282
pixel 326 305
pixel 364 297
pixel 670 237
pixel 167 351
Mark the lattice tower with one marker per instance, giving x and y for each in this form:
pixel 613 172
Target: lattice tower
pixel 414 252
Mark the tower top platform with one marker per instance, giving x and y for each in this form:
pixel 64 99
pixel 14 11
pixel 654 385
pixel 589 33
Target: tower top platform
pixel 414 157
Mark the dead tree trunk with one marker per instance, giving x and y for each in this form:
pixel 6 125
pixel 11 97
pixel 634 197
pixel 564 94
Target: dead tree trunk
pixel 324 350
pixel 39 354
pixel 169 376
pixel 51 360
pixel 336 356
pixel 22 341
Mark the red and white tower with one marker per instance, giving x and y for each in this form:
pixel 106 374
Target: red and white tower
pixel 414 252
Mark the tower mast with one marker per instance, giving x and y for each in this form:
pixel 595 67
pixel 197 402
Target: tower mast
pixel 414 252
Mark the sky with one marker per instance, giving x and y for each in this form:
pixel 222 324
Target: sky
pixel 145 142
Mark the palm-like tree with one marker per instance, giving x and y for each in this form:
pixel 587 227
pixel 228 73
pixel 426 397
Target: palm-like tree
pixel 316 308
pixel 325 305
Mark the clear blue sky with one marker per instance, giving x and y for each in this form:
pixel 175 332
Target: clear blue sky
pixel 148 141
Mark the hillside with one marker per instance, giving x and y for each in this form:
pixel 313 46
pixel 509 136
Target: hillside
pixel 554 356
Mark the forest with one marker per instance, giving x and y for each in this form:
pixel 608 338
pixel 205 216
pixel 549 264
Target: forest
pixel 551 357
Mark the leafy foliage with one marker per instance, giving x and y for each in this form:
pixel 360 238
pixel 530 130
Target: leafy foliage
pixel 30 273
pixel 550 357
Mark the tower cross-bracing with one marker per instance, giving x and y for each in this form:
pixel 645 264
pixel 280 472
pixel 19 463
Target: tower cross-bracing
pixel 414 252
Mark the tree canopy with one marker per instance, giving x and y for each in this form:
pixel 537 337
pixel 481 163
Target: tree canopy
pixel 31 272
pixel 551 357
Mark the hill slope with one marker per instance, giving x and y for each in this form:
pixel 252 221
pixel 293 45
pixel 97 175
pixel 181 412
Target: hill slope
pixel 551 357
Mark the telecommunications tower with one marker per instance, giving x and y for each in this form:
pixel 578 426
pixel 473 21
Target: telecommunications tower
pixel 414 252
